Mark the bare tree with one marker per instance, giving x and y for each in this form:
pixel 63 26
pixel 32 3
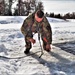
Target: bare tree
pixel 2 7
pixel 10 4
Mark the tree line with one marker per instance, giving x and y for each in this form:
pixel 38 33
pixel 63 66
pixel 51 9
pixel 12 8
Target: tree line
pixel 65 16
pixel 22 7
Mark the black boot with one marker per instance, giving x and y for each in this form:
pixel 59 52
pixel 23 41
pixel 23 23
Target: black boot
pixel 27 51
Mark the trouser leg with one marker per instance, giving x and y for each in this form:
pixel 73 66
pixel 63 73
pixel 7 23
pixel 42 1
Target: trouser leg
pixel 28 43
pixel 28 46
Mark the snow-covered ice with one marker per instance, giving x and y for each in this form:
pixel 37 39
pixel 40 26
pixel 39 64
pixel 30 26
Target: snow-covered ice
pixel 57 62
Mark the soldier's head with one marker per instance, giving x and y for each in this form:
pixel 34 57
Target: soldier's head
pixel 39 15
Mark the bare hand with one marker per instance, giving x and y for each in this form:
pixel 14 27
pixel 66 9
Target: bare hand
pixel 48 47
pixel 32 40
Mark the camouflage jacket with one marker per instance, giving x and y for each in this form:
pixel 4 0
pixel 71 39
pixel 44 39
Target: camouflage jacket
pixel 30 25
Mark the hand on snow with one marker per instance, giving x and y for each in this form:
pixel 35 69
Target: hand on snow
pixel 48 47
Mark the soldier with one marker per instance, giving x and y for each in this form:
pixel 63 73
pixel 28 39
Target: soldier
pixel 37 23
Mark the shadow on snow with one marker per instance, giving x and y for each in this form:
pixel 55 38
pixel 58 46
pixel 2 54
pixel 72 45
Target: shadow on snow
pixel 67 46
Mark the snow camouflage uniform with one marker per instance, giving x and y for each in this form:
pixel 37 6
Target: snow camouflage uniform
pixel 30 25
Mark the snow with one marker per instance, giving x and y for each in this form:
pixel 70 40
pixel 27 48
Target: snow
pixel 58 62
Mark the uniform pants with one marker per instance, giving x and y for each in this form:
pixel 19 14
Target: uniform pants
pixel 29 45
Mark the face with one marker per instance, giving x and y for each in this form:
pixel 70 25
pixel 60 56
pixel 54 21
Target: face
pixel 37 18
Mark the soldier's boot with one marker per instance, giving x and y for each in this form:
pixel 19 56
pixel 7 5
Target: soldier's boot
pixel 27 50
pixel 28 47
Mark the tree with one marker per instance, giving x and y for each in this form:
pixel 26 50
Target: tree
pixel 67 16
pixel 10 4
pixel 51 14
pixel 47 15
pixel 73 15
pixel 2 7
pixel 40 6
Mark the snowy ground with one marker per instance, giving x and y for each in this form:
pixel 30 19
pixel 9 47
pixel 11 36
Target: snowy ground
pixel 60 61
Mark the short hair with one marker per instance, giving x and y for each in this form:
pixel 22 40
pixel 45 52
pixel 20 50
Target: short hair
pixel 40 13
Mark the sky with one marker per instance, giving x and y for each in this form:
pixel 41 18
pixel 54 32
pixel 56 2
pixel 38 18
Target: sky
pixel 59 6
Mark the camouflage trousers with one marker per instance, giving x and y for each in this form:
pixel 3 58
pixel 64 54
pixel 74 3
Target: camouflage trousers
pixel 29 44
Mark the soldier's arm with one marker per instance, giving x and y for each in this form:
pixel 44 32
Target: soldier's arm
pixel 47 31
pixel 25 29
